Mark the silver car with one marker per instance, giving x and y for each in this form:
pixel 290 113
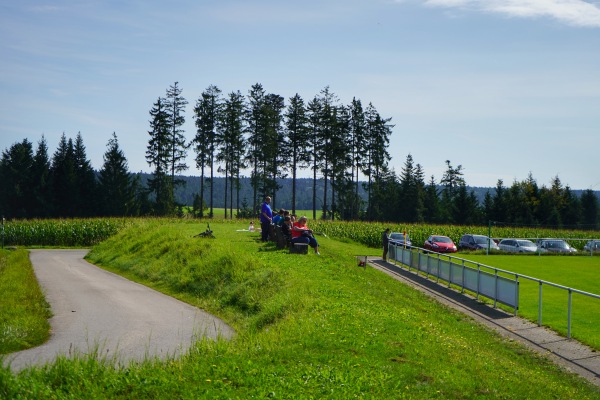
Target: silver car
pixel 592 245
pixel 400 239
pixel 555 246
pixel 518 246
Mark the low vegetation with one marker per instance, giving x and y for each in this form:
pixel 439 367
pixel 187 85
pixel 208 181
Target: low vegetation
pixel 307 326
pixel 24 312
pixel 369 234
pixel 77 232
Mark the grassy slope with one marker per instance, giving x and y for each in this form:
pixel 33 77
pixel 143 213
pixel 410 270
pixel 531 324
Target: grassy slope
pixel 308 327
pixel 24 312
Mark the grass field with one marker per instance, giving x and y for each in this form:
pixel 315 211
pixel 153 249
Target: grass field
pixel 582 273
pixel 307 327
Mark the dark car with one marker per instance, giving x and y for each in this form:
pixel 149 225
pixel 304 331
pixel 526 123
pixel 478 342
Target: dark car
pixel 399 239
pixel 440 244
pixel 554 246
pixel 476 242
pixel 592 245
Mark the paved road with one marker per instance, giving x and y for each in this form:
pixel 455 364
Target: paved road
pixel 94 309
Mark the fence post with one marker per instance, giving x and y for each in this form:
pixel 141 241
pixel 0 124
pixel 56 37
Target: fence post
pixel 478 280
pixel 540 305
pixel 495 288
pixel 450 273
pixel 569 314
pixel 517 294
pixel 462 283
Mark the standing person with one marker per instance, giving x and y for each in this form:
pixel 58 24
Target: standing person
pixel 385 238
pixel 266 216
pixel 301 234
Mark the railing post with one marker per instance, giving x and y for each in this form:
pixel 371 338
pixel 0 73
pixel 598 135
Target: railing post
pixel 569 314
pixel 495 287
pixel 462 283
pixel 478 280
pixel 516 294
pixel 540 305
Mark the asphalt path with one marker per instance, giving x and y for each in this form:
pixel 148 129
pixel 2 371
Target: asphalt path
pixel 96 311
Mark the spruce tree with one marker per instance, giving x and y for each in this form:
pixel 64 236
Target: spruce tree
pixel 358 132
pixel 590 209
pixel 40 173
pixel 85 181
pixel 174 105
pixel 256 129
pixel 116 187
pixel 314 145
pixel 64 179
pixel 16 175
pixel 296 123
pixel 231 128
pixel 207 114
pixel 158 155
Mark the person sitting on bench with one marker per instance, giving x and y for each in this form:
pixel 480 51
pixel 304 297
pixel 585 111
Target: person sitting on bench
pixel 302 234
pixel 286 228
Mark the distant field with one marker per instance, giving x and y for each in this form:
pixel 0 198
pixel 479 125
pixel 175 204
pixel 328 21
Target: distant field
pixel 582 273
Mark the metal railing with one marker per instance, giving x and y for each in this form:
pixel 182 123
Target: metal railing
pixel 498 285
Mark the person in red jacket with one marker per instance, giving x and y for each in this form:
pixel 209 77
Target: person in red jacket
pixel 302 234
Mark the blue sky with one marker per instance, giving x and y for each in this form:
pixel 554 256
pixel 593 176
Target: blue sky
pixel 504 88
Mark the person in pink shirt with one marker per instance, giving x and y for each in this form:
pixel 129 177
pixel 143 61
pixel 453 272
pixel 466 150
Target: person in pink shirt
pixel 302 234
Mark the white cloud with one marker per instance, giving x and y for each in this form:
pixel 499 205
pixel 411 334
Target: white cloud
pixel 572 12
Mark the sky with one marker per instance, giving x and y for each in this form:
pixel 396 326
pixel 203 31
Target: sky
pixel 504 88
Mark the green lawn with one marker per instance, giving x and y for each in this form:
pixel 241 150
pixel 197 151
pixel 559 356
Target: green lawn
pixel 308 327
pixel 577 272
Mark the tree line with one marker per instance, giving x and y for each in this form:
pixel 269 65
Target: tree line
pixel 450 201
pixel 344 148
pixel 259 133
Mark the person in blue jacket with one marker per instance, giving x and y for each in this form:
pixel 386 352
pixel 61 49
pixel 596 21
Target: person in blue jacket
pixel 266 217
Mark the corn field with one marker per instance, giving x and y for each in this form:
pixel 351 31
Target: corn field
pixel 63 233
pixel 370 233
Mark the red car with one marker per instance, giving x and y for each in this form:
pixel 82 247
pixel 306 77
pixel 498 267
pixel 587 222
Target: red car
pixel 440 244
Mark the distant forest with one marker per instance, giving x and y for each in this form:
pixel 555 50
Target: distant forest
pixel 344 147
pixel 185 194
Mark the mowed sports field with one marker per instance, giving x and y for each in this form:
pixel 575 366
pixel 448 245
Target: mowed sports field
pixel 577 272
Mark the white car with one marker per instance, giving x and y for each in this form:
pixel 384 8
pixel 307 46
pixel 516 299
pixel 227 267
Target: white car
pixel 518 246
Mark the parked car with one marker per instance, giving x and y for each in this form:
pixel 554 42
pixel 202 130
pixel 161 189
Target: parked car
pixel 555 246
pixel 476 242
pixel 592 245
pixel 518 246
pixel 399 239
pixel 440 244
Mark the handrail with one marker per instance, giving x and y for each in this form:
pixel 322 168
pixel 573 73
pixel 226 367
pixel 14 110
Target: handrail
pixel 541 282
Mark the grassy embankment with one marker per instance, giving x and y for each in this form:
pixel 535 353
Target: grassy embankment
pixel 307 327
pixel 24 312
